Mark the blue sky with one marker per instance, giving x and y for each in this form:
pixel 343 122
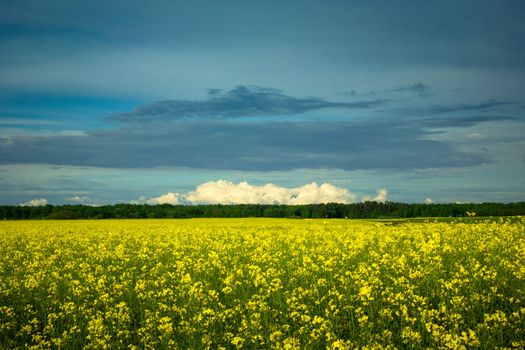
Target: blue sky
pixel 123 101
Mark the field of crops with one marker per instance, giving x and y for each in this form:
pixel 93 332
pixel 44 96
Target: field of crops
pixel 261 283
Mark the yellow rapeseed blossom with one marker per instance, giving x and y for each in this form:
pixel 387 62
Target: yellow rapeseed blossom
pixel 262 283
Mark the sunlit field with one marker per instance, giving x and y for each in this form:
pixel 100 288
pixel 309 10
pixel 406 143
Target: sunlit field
pixel 261 284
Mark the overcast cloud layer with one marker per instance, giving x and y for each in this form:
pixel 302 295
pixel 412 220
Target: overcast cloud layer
pixel 424 99
pixel 376 144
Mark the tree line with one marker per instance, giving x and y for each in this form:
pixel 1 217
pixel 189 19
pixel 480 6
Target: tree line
pixel 364 210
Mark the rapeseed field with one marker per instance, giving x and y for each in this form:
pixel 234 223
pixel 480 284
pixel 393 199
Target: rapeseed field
pixel 261 284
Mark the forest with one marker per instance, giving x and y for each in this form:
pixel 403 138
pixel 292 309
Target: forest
pixel 362 210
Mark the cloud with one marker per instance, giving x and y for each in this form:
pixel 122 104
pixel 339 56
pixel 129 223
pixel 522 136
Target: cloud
pixel 242 101
pixel 381 196
pixel 417 87
pixel 423 90
pixel 79 199
pixel 429 201
pixel 365 144
pixel 463 121
pixel 226 192
pixel 35 203
pixel 461 107
pixel 83 200
pixel 25 121
pixel 167 198
pixel 368 34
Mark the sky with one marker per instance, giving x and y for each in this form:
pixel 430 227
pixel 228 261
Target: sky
pixel 291 102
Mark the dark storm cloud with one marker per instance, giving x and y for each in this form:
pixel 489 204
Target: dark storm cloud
pixel 380 144
pixel 242 101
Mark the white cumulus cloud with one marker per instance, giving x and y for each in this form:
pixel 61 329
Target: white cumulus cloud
pixel 83 200
pixel 37 202
pixel 167 198
pixel 79 199
pixel 227 192
pixel 429 201
pixel 381 196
